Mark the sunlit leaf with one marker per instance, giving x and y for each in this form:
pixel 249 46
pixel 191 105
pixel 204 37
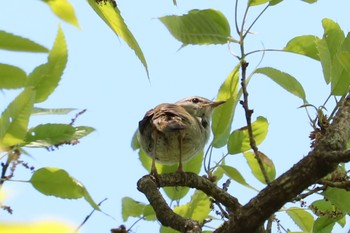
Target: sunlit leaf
pixel 339 197
pixel 131 208
pixel 304 45
pixel 223 115
pixel 109 12
pixel 235 175
pixel 36 227
pixel 325 59
pixel 14 120
pixel 45 78
pixel 57 182
pixel 322 207
pixel 333 35
pixel 255 168
pixel 47 135
pixel 239 139
pixel 13 42
pixel 285 80
pixel 199 27
pixel 64 10
pixel 301 217
pixel 11 77
pixel 324 225
pixel 51 111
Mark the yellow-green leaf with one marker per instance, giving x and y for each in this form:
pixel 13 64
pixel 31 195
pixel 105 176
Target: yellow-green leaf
pixel 11 77
pixel 36 227
pixel 302 218
pixel 109 12
pixel 9 41
pixel 14 120
pixel 304 45
pixel 131 208
pixel 64 10
pixel 234 174
pixel 255 168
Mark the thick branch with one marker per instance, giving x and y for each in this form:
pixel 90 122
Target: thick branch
pixel 306 172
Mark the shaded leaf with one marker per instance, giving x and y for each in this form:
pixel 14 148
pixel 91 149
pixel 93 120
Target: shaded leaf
pixel 14 120
pixel 239 139
pixel 324 225
pixel 304 45
pixel 45 78
pixel 234 174
pixel 274 2
pixel 11 77
pixel 47 135
pixel 57 182
pixel 64 10
pixel 109 12
pixel 131 208
pixel 13 42
pixel 285 80
pixel 255 168
pixel 51 111
pixel 333 35
pixel 310 1
pixel 302 218
pixel 199 27
pixel 325 59
pixel 223 115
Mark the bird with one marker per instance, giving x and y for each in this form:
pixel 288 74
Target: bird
pixel 175 133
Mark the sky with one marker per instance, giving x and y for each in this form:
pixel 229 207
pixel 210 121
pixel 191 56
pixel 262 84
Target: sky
pixel 105 77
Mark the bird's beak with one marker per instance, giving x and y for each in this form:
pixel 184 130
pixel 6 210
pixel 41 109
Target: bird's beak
pixel 215 104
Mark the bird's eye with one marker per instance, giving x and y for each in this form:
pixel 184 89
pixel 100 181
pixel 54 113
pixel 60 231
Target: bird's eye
pixel 195 100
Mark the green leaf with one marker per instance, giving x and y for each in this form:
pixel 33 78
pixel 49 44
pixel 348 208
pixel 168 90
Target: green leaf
pixel 339 197
pixel 199 27
pixel 239 139
pixel 11 77
pixel 109 12
pixel 333 35
pixel 235 175
pixel 323 225
pixel 197 209
pixel 257 2
pixel 51 111
pixel 274 2
pixel 255 168
pixel 322 207
pixel 64 10
pixel 285 80
pixel 14 120
pixel 13 42
pixel 131 208
pixel 304 45
pixel 149 214
pixel 325 59
pixel 310 1
pixel 47 135
pixel 223 115
pixel 57 182
pixel 45 78
pixel 302 218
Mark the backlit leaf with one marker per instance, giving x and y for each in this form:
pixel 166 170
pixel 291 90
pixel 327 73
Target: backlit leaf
pixel 11 77
pixel 13 42
pixel 45 78
pixel 255 168
pixel 199 27
pixel 109 12
pixel 339 197
pixel 36 227
pixel 257 2
pixel 64 10
pixel 304 45
pixel 51 111
pixel 57 182
pixel 285 80
pixel 302 218
pixel 14 120
pixel 235 175
pixel 131 208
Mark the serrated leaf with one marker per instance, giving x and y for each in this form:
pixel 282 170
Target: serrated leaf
pixel 9 41
pixel 255 168
pixel 304 45
pixel 131 208
pixel 302 218
pixel 339 197
pixel 45 78
pixel 11 77
pixel 14 120
pixel 198 27
pixel 239 139
pixel 197 209
pixel 235 175
pixel 57 182
pixel 285 80
pixel 64 10
pixel 109 12
pixel 47 135
pixel 223 115
pixel 51 111
pixel 36 227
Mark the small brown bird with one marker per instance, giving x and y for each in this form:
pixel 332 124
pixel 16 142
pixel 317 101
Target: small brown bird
pixel 174 133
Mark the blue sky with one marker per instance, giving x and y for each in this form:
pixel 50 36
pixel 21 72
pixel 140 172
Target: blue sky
pixel 104 76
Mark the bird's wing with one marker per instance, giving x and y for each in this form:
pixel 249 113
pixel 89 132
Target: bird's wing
pixel 170 117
